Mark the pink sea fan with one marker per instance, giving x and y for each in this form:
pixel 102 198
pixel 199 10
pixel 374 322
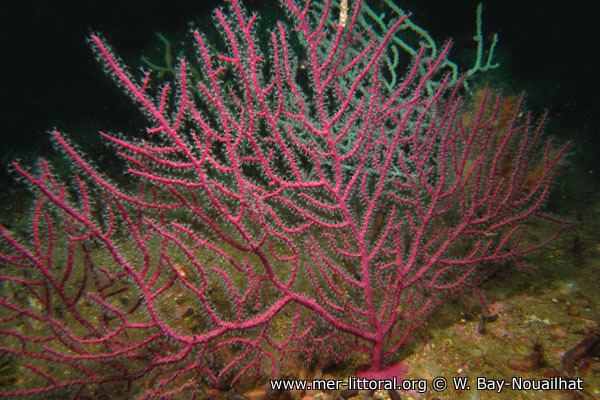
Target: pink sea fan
pixel 268 217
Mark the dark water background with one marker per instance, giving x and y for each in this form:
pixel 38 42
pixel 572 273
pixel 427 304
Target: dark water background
pixel 49 77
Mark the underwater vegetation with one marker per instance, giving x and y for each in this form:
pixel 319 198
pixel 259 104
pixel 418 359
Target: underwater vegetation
pixel 293 202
